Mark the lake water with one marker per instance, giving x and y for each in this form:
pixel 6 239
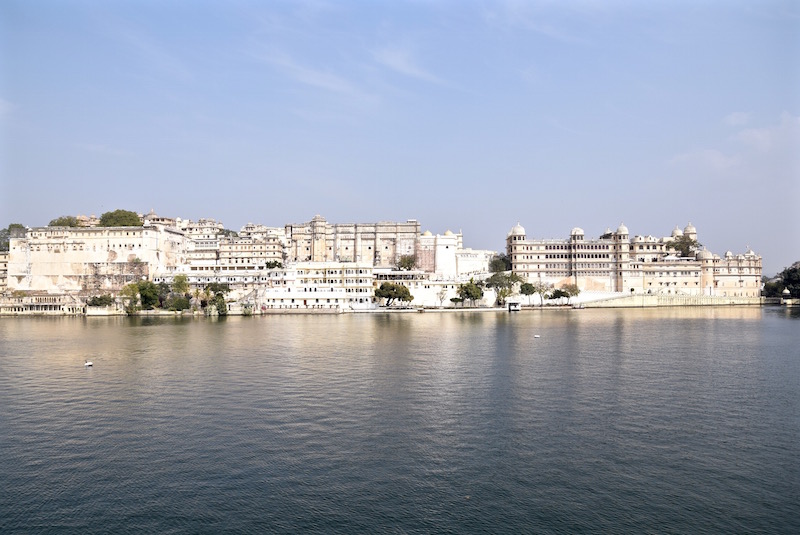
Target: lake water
pixel 661 421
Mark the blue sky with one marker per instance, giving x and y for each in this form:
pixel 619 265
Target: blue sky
pixel 465 115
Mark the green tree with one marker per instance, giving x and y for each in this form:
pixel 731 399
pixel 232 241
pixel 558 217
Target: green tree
pixel 219 302
pixel 499 263
pixel 14 230
pixel 148 294
pixel 120 218
pixel 217 287
pixel 407 262
pixel 177 302
pixel 164 291
pixel 180 284
pixel 272 264
pixel 684 245
pixel 64 221
pixel 789 279
pixel 558 293
pixel 100 301
pixel 503 284
pixel 527 289
pixel 470 292
pixel 130 297
pixel 391 291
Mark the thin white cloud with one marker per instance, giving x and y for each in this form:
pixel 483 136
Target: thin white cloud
pixel 737 118
pixel 534 17
pixel 313 77
pixel 154 53
pixel 400 60
pixel 785 134
pixel 771 147
pixel 707 159
pixel 5 107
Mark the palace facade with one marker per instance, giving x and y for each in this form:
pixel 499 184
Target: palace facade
pixel 616 262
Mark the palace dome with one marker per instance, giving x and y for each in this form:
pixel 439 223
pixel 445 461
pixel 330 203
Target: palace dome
pixel 677 233
pixel 517 230
pixel 690 229
pixel 427 233
pixel 577 231
pixel 622 229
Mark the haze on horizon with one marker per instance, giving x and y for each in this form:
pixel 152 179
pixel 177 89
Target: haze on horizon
pixel 464 115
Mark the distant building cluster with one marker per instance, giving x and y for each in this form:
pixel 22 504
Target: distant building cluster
pixel 325 265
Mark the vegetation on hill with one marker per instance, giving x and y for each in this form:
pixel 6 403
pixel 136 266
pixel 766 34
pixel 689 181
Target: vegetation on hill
pixel 7 233
pixel 120 218
pixel 789 279
pixel 64 221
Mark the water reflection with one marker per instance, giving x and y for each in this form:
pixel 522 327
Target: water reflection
pixel 610 420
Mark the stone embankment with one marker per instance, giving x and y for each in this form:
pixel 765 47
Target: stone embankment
pixel 644 301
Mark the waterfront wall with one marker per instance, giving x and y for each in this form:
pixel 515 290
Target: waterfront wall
pixel 644 301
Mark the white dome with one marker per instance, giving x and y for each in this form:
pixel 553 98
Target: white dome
pixel 576 231
pixel 704 254
pixel 690 229
pixel 427 233
pixel 622 229
pixel 517 230
pixel 448 233
pixel 677 233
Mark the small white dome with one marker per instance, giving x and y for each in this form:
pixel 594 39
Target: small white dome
pixel 517 230
pixel 448 233
pixel 577 231
pixel 676 232
pixel 690 229
pixel 728 254
pixel 704 254
pixel 622 229
pixel 427 233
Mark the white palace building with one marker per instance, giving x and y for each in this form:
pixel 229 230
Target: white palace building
pixel 616 262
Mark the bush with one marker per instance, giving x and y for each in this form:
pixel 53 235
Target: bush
pixel 100 301
pixel 177 302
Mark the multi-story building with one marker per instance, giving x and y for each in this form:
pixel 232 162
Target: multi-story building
pixel 614 262
pixel 91 259
pixel 444 255
pixel 380 244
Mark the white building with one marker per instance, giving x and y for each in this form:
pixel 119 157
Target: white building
pixel 92 259
pixel 615 262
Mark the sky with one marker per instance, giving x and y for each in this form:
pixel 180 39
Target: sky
pixel 466 115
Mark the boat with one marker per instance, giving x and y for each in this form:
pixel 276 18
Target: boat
pixel 87 363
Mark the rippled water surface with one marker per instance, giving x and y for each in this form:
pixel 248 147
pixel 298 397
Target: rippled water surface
pixel 662 421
